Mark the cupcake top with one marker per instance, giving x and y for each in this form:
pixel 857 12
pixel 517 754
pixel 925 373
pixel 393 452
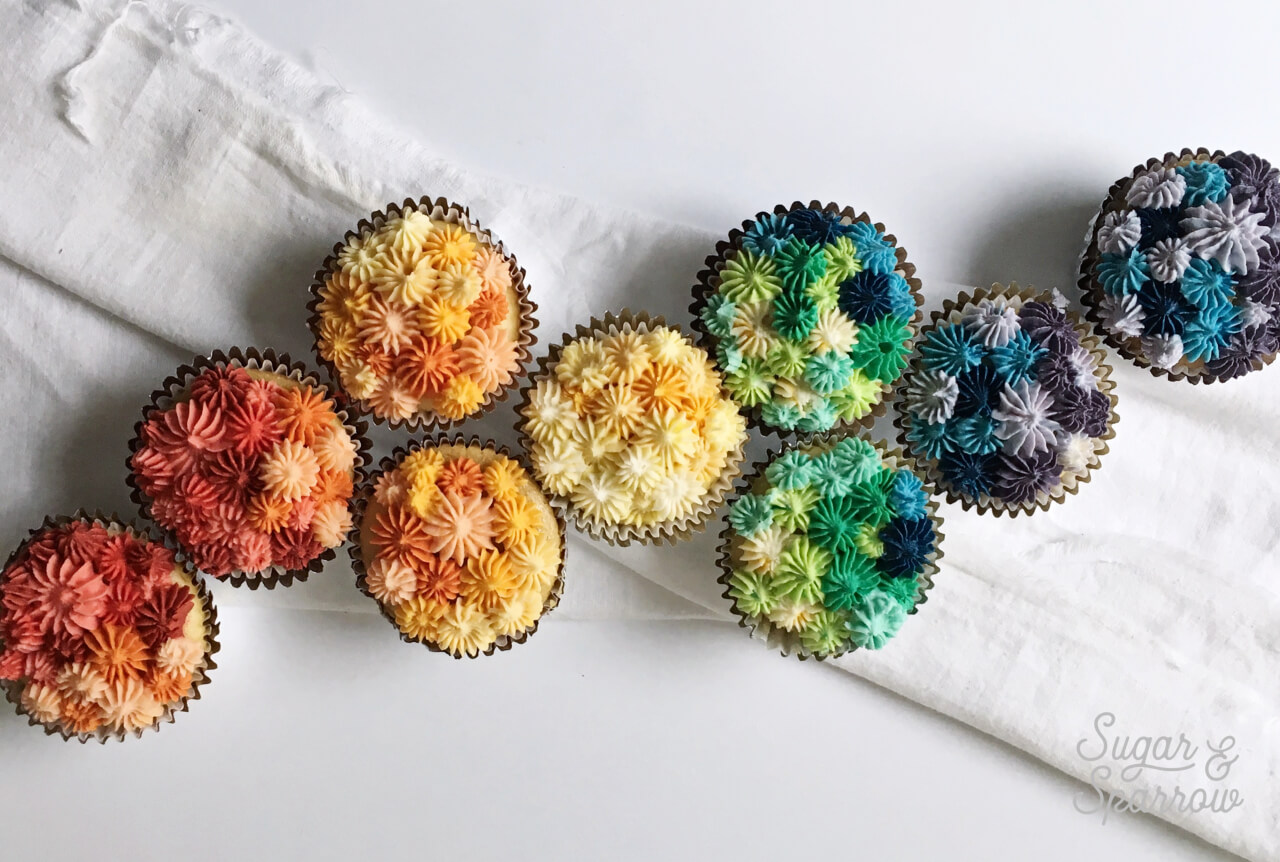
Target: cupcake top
pixel 460 548
pixel 829 547
pixel 104 632
pixel 421 316
pixel 629 424
pixel 1004 403
pixel 251 469
pixel 810 313
pixel 1182 271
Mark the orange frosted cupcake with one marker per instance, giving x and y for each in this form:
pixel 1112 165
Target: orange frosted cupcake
pixel 103 631
pixel 422 316
pixel 251 464
pixel 459 547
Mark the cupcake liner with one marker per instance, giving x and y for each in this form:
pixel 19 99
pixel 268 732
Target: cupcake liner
pixel 950 311
pixel 365 493
pixel 1090 295
pixel 623 535
pixel 13 690
pixel 787 642
pixel 261 360
pixel 441 209
pixel 708 281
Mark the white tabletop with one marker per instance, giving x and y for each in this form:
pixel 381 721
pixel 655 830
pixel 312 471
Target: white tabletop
pixel 611 740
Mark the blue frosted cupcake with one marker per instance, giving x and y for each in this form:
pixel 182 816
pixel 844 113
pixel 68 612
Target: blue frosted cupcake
pixel 809 312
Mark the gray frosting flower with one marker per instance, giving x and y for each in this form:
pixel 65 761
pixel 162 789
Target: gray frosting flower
pixel 1023 421
pixel 931 395
pixel 1254 314
pixel 1158 188
pixel 1162 351
pixel 1168 260
pixel 1120 231
pixel 1081 361
pixel 992 323
pixel 1226 232
pixel 1123 314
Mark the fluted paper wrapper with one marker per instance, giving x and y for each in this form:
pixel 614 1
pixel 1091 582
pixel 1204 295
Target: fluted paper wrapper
pixel 1091 292
pixel 709 281
pixel 442 210
pixel 356 547
pixel 951 312
pixel 788 643
pixel 623 535
pixel 269 361
pixel 199 677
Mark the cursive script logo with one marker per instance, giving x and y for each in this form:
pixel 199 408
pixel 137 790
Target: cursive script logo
pixel 1177 773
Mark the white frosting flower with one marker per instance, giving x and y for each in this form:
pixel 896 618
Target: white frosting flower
pixel 1168 259
pixel 1082 363
pixel 931 396
pixel 1158 188
pixel 1254 313
pixel 1119 232
pixel 1074 454
pixel 1123 314
pixel 993 323
pixel 1227 232
pixel 1023 421
pixel 1162 351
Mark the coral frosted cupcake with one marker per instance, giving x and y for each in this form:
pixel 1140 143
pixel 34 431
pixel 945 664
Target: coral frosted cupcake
pixel 422 316
pixel 103 631
pixel 1008 403
pixel 830 546
pixel 810 313
pixel 628 425
pixel 1182 269
pixel 248 461
pixel 459 547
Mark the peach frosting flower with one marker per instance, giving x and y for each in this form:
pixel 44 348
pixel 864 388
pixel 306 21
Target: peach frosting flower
pixel 488 357
pixel 393 399
pixel 402 535
pixel 460 527
pixel 390 581
pixel 331 523
pixel 289 470
pixel 493 268
pixel 129 705
pixel 388 324
pixel 334 449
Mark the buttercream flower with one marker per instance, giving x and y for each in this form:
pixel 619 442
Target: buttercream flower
pixel 749 277
pixel 882 348
pixel 932 395
pixel 1165 311
pixel 465 629
pixel 1016 359
pixel 1205 182
pixel 494 270
pixel 1024 421
pixel 834 523
pixel 488 580
pixel 800 263
pixel 950 349
pixel 1118 273
pixel 1019 479
pixel 460 527
pixel 1162 351
pixel 1119 232
pixel 794 314
pixel 1168 259
pixel 1123 313
pixel 876 620
pixel 1227 232
pixel 1204 283
pixel 907 545
pixel 1206 334
pixel 66 597
pixel 117 652
pixel 906 495
pixel 390 580
pixel 331 523
pixel 718 315
pixel 461 477
pixel 289 470
pixel 767 235
pixel 800 569
pixel 1157 188
pixel 440 581
pixel 993 323
pixel 931 439
pixel 489 357
pixel 267 512
pixel 418 618
pixel 449 244
pixel 874 248
pixel 461 397
pixel 750 331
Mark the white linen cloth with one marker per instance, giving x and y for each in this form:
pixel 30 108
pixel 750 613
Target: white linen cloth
pixel 171 185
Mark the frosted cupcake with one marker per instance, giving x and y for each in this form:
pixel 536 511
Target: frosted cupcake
pixel 422 316
pixel 1008 404
pixel 103 631
pixel 459 547
pixel 810 313
pixel 628 426
pixel 248 461
pixel 830 545
pixel 1182 269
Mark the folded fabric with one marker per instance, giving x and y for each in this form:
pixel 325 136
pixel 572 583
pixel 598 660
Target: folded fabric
pixel 172 185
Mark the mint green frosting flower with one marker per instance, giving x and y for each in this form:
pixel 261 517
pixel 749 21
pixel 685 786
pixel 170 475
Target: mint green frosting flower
pixel 842 259
pixel 794 314
pixel 875 620
pixel 787 359
pixel 856 457
pixel 791 507
pixel 828 372
pixel 780 415
pixel 749 278
pixel 820 416
pixel 718 314
pixel 870 503
pixel 903 590
pixel 728 354
pixel 752 592
pixel 834 522
pixel 800 570
pixel 825 633
pixel 750 383
pixel 791 469
pixel 868 542
pixel 882 348
pixel 831 479
pixel 750 514
pixel 851 576
pixel 800 264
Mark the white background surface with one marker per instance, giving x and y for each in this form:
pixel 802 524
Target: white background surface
pixel 983 135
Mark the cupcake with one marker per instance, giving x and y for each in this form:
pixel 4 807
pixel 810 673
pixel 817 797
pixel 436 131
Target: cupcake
pixel 1182 269
pixel 104 632
pixel 628 426
pixel 809 312
pixel 830 545
pixel 251 465
pixel 459 547
pixel 421 316
pixel 1008 404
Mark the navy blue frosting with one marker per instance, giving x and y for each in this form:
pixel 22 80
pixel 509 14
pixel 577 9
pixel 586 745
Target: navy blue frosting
pixel 817 227
pixel 968 473
pixel 1166 309
pixel 867 296
pixel 1159 224
pixel 978 390
pixel 907 544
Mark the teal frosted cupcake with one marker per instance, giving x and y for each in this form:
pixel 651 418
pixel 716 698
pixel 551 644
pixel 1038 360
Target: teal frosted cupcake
pixel 829 546
pixel 809 312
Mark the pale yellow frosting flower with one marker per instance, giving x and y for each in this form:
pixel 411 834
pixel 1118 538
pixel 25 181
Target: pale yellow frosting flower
pixel 464 629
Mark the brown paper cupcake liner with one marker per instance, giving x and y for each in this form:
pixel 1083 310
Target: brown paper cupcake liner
pixel 623 535
pixel 262 360
pixel 365 493
pixel 786 642
pixel 441 209
pixel 1091 294
pixel 199 677
pixel 708 282
pixel 950 312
